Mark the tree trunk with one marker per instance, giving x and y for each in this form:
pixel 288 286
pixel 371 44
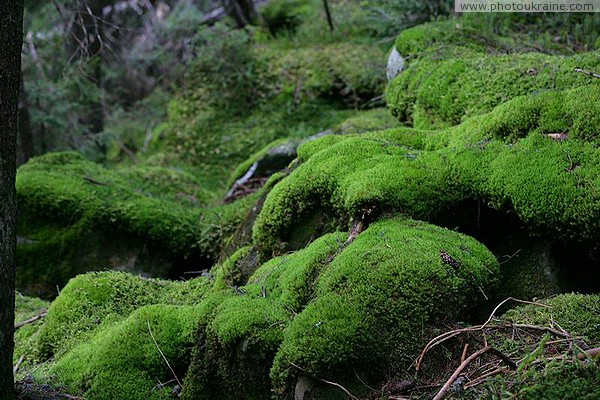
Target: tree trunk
pixel 328 14
pixel 243 12
pixel 11 37
pixel 25 133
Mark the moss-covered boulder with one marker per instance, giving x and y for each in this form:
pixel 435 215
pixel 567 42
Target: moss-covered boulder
pixel 438 93
pixel 78 216
pixel 102 335
pixel 290 93
pixel 331 307
pixel 425 174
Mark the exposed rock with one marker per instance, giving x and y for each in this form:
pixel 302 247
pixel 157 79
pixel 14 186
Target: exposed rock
pixel 395 64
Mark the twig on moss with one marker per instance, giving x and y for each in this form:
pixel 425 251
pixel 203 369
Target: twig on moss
pixel 18 364
pixel 589 73
pixel 339 387
pixel 31 320
pixel 95 182
pixel 162 354
pixel 450 334
pixel 440 395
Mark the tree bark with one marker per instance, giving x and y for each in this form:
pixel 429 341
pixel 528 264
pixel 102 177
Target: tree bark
pixel 11 38
pixel 243 12
pixel 328 14
pixel 25 132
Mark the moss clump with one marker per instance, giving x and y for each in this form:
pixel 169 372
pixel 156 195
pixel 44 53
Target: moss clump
pixel 123 361
pixel 425 174
pixel 329 306
pixel 93 301
pixel 291 93
pixel 433 93
pixel 242 329
pixel 372 298
pixel 78 216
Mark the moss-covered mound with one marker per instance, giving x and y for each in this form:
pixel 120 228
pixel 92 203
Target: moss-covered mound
pixel 105 329
pixel 438 93
pixel 77 216
pixel 504 158
pixel 272 93
pixel 315 312
pixel 330 307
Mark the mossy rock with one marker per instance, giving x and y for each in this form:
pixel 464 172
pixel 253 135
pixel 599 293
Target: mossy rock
pixel 330 306
pixel 127 359
pixel 76 216
pixel 433 93
pixel 425 174
pixel 295 94
pixel 93 301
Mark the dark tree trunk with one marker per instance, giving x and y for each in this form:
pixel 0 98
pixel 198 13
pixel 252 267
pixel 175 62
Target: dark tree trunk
pixel 328 14
pixel 11 36
pixel 25 132
pixel 243 12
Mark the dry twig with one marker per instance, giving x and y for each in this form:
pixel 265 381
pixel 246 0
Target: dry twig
pixel 31 320
pixel 162 354
pixel 440 395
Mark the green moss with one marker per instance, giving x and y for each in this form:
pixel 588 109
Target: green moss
pixel 559 379
pixel 576 313
pixel 123 361
pixel 374 296
pixel 26 336
pixel 327 306
pixel 239 338
pixel 425 174
pixel 79 216
pixel 434 93
pixel 295 93
pixel 90 303
pixel 368 120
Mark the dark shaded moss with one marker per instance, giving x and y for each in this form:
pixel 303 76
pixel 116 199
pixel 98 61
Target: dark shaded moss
pixel 77 216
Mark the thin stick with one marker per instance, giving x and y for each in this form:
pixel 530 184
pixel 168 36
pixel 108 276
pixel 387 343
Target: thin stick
pixel 337 385
pixel 18 364
pixel 440 395
pixel 162 354
pixel 481 378
pixel 464 353
pixel 31 320
pixel 450 334
pixel 583 71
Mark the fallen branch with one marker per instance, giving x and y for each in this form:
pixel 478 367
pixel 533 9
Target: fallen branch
pixel 31 320
pixel 440 395
pixel 450 334
pixel 18 364
pixel 589 73
pixel 589 353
